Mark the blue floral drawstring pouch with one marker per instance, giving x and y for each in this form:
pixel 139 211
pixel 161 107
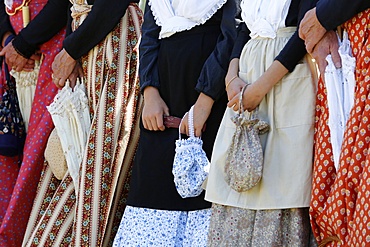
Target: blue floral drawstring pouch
pixel 190 166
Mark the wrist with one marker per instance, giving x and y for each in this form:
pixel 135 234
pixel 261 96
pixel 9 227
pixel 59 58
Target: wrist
pixel 150 91
pixel 204 101
pixel 229 81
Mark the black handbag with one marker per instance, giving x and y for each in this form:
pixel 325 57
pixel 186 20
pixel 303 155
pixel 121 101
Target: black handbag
pixel 12 128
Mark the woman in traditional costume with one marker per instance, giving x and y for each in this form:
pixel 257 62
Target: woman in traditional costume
pixel 184 55
pixel 19 183
pixel 104 39
pixel 340 196
pixel 270 57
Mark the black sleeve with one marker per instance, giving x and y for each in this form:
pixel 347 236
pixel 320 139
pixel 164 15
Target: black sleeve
pixel 242 38
pixel 295 49
pixel 212 77
pixel 50 20
pixel 5 25
pixel 332 13
pixel 102 19
pixel 148 50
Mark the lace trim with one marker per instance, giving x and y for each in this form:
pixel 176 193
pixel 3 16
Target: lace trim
pixel 199 22
pixel 71 118
pixel 26 79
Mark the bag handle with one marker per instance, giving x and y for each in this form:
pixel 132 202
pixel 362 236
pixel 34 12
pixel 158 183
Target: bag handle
pixel 190 122
pixel 241 109
pixel 250 115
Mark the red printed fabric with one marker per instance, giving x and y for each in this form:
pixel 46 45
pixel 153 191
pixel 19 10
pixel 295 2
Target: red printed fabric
pixel 340 214
pixel 19 207
pixel 9 167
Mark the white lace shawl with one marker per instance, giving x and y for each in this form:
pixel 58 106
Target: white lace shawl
pixel 180 15
pixel 264 17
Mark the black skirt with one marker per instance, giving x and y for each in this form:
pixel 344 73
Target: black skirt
pixel 180 61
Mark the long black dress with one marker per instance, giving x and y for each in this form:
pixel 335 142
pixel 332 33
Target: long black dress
pixel 181 67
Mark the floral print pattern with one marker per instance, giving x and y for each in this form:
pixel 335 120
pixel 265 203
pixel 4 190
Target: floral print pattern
pixel 142 227
pixel 231 226
pixel 340 200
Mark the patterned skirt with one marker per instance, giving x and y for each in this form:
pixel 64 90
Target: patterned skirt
pixel 167 228
pixel 340 199
pixel 19 183
pixel 90 217
pixel 232 226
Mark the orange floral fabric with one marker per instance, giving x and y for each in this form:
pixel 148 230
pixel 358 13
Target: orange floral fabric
pixel 339 211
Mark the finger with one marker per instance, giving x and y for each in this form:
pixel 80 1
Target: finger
pixel 233 101
pixel 300 33
pixel 30 62
pixel 36 57
pixel 18 68
pixel 28 68
pixel 166 111
pixel 159 122
pixel 80 72
pixel 322 66
pixel 183 128
pixel 153 124
pixel 336 58
pixel 55 80
pixel 146 124
pixel 72 80
pixel 149 124
pixel 198 132
pixel 309 46
pixel 61 82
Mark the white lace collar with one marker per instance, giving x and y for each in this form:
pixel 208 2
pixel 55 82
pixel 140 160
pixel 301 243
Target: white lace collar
pixel 180 15
pixel 264 17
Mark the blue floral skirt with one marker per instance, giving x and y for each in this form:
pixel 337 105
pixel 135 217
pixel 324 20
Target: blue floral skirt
pixel 152 227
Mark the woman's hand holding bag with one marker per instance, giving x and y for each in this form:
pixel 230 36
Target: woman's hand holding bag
pixel 190 166
pixel 244 159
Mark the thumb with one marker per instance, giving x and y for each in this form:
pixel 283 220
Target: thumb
pixel 166 111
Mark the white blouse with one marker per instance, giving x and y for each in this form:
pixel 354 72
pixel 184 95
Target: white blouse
pixel 180 15
pixel 264 17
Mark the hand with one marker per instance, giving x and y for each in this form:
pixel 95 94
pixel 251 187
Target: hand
pixel 201 111
pixel 252 97
pixel 62 67
pixel 13 59
pixel 311 30
pixel 234 88
pixel 154 109
pixel 30 65
pixel 327 45
pixel 76 73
